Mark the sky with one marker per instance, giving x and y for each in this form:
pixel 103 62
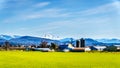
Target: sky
pixel 61 18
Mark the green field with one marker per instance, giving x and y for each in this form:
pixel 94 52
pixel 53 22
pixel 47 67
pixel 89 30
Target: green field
pixel 21 59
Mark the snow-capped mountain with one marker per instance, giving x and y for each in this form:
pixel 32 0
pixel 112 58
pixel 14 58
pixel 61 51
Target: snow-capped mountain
pixel 88 41
pixel 108 40
pixel 8 37
pixel 27 40
pixel 2 41
pixel 67 40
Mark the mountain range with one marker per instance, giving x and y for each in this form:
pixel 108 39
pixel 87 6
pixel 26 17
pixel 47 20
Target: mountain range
pixel 28 40
pixel 8 37
pixel 109 40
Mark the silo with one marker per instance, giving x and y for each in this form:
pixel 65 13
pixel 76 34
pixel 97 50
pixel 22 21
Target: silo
pixel 80 43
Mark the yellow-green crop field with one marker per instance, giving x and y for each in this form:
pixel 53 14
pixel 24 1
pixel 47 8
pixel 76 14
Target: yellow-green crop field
pixel 22 59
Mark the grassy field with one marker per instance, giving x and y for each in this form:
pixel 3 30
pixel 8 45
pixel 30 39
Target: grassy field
pixel 21 59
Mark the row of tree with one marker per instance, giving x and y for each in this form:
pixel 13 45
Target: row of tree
pixel 43 44
pixel 111 49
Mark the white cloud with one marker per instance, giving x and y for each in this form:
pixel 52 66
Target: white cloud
pixel 42 4
pixel 2 4
pixel 46 13
pixel 116 4
pixel 60 13
pixel 106 8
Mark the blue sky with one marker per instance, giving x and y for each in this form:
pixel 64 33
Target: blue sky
pixel 63 18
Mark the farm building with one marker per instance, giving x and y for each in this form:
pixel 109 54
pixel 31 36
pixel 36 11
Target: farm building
pixel 80 46
pixel 118 47
pixel 98 48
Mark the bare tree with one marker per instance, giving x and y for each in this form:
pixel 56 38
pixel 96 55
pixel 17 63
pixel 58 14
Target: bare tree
pixel 43 44
pixel 54 46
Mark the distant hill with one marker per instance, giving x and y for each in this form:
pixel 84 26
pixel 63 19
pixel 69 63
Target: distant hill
pixel 2 41
pixel 109 40
pixel 67 40
pixel 28 40
pixel 8 37
pixel 90 42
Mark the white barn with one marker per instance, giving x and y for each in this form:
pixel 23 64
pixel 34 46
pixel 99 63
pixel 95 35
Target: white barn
pixel 100 48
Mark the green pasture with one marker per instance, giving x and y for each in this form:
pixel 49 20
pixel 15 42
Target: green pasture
pixel 22 59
